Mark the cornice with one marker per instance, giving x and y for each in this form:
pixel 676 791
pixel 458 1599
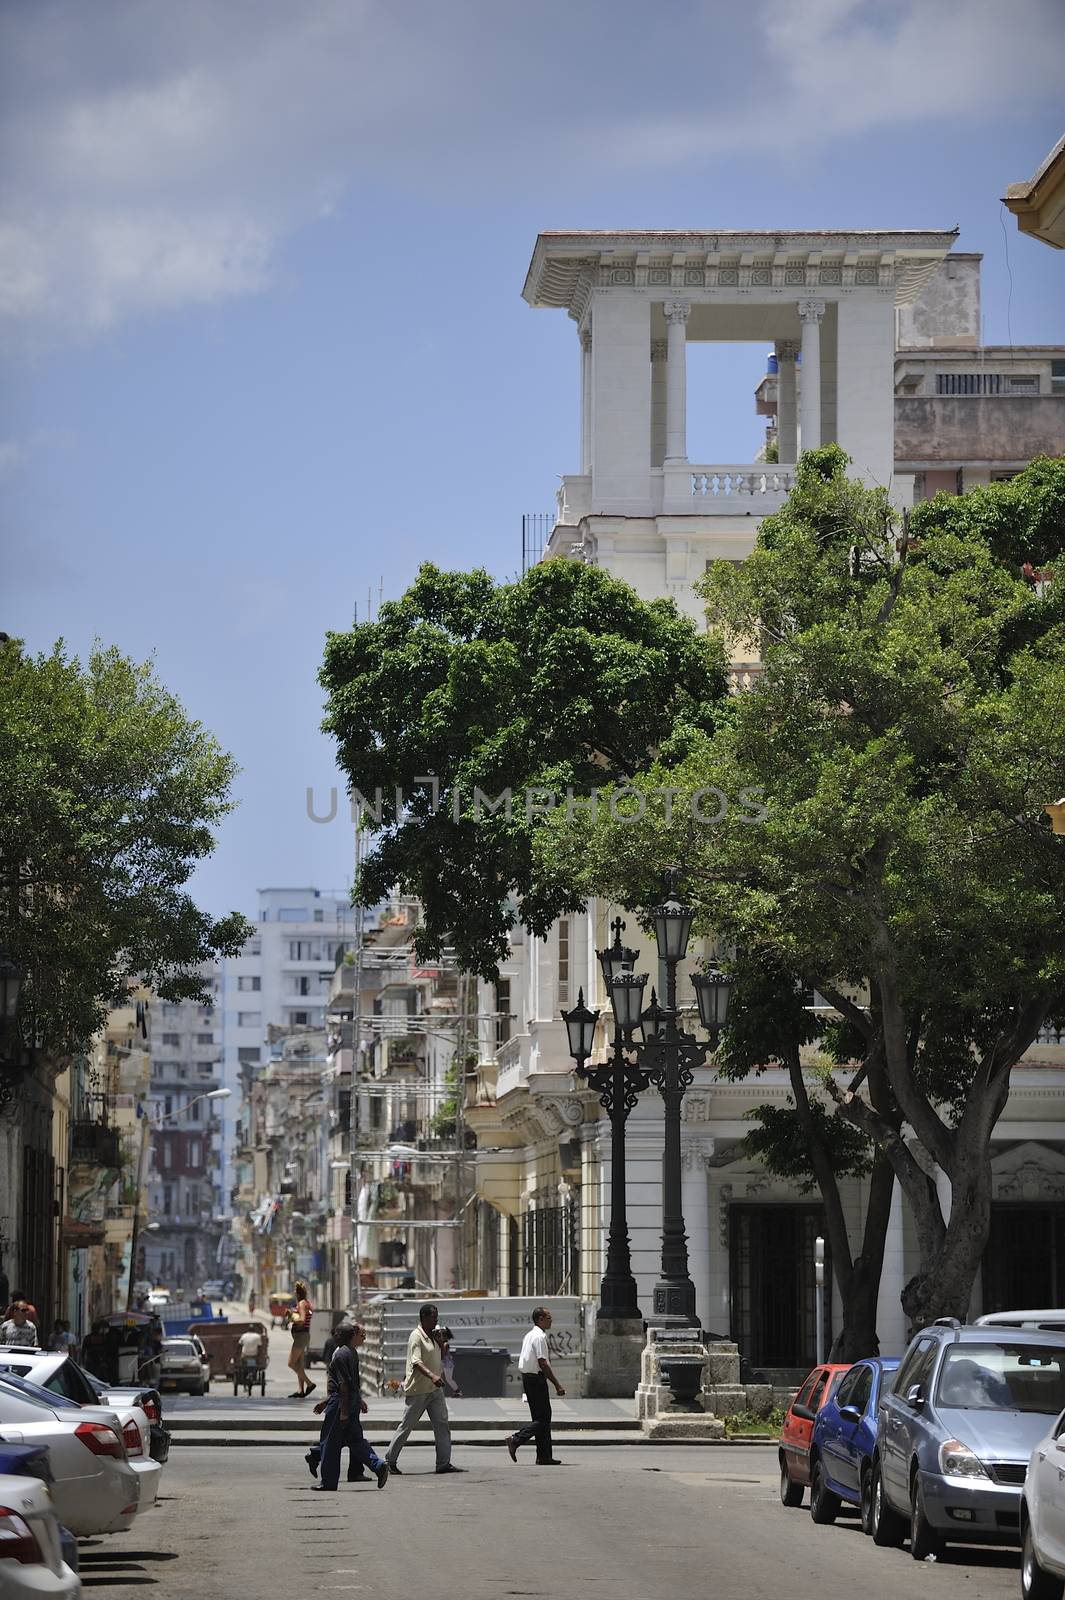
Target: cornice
pixel 567 267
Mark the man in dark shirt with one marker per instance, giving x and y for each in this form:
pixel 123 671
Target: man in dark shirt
pixel 343 1406
pixel 356 1471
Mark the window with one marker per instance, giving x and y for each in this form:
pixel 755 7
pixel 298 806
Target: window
pixel 195 1153
pixel 803 1396
pixel 168 1106
pixel 194 1110
pixel 292 914
pixel 168 1199
pixel 1003 1377
pixel 304 950
pixel 168 1154
pixel 1026 384
pixel 300 1018
pixel 563 961
pixel 1057 377
pixel 205 1038
pixel 503 1011
pixel 319 915
pixel 969 383
pixel 904 1378
pixel 250 984
pixel 861 1384
pixel 173 1040
pixel 167 1066
pixel 818 1394
pixel 254 947
pixel 249 1019
pixel 247 1054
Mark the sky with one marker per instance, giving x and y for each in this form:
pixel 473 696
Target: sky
pixel 262 338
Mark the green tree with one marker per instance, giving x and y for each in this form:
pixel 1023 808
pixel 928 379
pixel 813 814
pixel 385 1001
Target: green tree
pixel 559 683
pixel 906 732
pixel 110 797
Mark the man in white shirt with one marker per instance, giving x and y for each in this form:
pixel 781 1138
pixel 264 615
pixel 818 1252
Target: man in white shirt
pixel 250 1347
pixel 534 1364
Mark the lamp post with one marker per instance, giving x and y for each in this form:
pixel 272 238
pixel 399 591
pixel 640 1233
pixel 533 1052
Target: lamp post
pixel 619 1083
pixel 142 1173
pixel 668 1057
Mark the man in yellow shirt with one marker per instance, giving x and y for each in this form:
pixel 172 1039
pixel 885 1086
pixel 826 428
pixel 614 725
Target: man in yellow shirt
pixel 424 1389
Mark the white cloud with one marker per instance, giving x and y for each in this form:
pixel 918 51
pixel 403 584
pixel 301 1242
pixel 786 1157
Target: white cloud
pixel 158 155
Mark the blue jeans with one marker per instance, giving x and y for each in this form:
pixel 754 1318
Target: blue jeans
pixel 337 1433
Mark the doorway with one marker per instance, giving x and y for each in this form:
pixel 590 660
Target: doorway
pixel 1024 1262
pixel 771 1281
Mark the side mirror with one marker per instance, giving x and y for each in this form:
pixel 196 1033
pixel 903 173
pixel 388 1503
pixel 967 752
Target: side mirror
pixel 802 1411
pixel 915 1397
pixel 850 1414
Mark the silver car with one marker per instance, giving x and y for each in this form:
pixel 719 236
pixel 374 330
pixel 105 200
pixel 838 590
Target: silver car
pixel 955 1431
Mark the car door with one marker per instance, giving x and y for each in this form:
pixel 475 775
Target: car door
pixel 829 1428
pixel 895 1422
pixel 851 1406
pixel 804 1428
pixel 793 1434
pixel 1046 1497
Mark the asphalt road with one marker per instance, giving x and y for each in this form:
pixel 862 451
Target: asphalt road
pixel 630 1523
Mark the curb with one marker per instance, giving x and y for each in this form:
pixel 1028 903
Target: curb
pixel 211 1441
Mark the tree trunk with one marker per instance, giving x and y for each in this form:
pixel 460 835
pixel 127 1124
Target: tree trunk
pixel 860 1289
pixel 943 1284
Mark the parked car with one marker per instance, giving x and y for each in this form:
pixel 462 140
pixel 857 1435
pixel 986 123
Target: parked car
pixel 1045 1321
pixel 1043 1518
pixel 184 1365
pixel 133 1426
pixel 213 1289
pixel 798 1428
pixel 31 1553
pixel 32 1461
pixel 94 1487
pixel 955 1433
pixel 61 1374
pixel 844 1441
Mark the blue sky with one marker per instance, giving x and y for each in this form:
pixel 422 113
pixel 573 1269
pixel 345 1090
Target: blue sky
pixel 260 316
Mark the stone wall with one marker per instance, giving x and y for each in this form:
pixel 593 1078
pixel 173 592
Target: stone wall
pixel 992 428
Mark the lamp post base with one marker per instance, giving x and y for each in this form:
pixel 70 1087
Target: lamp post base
pixel 673 1305
pixel 617 1349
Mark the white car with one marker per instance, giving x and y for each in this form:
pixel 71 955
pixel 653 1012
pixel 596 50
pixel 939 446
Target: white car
pixel 1043 1518
pixel 67 1385
pixel 183 1364
pixel 95 1488
pixel 31 1563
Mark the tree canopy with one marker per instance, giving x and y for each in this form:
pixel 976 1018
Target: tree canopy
pixel 111 794
pixel 558 684
pixel 906 732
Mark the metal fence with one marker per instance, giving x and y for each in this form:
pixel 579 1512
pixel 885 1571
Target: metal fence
pixel 536 529
pixel 499 1321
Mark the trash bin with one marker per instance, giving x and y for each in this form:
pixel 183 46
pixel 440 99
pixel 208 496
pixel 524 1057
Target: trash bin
pixel 480 1370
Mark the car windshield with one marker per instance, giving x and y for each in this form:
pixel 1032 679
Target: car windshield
pixel 1003 1377
pixel 33 1391
pixel 180 1347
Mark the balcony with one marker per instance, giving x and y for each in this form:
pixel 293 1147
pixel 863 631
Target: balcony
pixel 95 1144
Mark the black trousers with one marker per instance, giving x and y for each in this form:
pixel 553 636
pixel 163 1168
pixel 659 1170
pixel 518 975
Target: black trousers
pixel 539 1398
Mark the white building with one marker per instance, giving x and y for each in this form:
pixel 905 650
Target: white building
pixel 281 977
pixel 641 509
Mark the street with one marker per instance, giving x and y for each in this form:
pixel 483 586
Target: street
pixel 644 1522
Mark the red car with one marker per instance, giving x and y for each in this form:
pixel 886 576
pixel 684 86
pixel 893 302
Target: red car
pixel 798 1428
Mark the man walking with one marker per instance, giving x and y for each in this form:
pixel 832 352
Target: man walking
pixel 343 1406
pixel 356 1471
pixel 424 1389
pixel 534 1364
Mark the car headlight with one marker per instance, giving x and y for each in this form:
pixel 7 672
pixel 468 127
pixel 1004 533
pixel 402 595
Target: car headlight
pixel 956 1460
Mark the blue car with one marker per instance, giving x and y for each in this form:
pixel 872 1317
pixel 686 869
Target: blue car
pixel 843 1445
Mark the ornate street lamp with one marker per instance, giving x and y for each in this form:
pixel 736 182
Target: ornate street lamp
pixel 619 1084
pixel 668 1058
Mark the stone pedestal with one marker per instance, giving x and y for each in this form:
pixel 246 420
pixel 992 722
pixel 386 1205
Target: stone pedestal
pixel 723 1395
pixel 657 1409
pixel 617 1350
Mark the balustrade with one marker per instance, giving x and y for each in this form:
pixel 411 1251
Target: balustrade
pixel 734 482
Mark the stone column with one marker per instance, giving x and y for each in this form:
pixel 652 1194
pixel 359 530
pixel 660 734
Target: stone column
pixel 659 348
pixel 696 1201
pixel 787 419
pixel 677 313
pixel 586 400
pixel 810 314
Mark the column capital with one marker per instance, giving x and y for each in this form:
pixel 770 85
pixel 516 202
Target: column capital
pixel 786 349
pixel 811 310
pixel 677 311
pixel 659 349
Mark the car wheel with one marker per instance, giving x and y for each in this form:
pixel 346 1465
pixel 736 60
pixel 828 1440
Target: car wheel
pixel 824 1505
pixel 790 1492
pixel 1036 1582
pixel 866 1500
pixel 925 1540
pixel 886 1526
pixel 197 1393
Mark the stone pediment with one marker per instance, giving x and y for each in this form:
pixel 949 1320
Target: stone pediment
pixel 1029 1172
